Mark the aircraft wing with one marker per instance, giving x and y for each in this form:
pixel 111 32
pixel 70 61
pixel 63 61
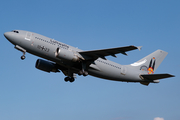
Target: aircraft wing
pixel 94 54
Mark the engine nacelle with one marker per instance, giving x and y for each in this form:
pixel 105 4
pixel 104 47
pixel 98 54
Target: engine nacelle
pixel 46 66
pixel 66 55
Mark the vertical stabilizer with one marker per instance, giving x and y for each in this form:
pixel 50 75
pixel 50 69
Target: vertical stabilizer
pixel 151 62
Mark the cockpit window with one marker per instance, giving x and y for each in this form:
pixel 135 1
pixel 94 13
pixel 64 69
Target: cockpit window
pixel 15 31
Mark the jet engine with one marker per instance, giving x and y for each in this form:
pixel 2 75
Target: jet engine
pixel 46 66
pixel 66 55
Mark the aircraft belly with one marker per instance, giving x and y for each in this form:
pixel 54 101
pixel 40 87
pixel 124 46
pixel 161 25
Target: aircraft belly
pixel 115 74
pixel 104 72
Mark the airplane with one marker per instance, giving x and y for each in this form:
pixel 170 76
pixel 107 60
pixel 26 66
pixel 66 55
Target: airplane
pixel 71 61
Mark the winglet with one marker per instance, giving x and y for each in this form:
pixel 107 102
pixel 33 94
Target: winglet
pixel 139 47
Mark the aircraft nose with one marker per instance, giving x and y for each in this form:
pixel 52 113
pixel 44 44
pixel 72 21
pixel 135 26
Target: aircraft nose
pixel 7 35
pixel 10 37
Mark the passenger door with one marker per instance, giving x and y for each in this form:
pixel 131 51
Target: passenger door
pixel 123 70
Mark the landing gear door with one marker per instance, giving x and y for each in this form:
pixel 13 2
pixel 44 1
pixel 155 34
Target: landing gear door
pixel 123 70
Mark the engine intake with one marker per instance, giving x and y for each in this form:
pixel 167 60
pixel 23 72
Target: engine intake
pixel 66 55
pixel 46 66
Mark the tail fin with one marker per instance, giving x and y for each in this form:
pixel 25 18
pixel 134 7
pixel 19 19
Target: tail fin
pixel 148 66
pixel 150 63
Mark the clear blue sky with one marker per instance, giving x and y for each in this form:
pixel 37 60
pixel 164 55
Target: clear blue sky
pixel 30 94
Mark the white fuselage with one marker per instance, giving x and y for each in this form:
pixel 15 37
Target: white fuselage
pixel 45 47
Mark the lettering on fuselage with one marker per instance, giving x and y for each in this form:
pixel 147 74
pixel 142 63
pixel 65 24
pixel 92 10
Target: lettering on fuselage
pixel 54 42
pixel 43 48
pixel 59 44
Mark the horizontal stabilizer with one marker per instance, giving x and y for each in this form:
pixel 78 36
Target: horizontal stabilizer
pixel 145 83
pixel 155 76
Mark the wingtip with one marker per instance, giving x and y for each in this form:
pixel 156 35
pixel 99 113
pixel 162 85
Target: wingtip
pixel 172 75
pixel 139 47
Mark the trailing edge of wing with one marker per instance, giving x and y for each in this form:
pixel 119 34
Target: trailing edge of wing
pixel 155 76
pixel 94 54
